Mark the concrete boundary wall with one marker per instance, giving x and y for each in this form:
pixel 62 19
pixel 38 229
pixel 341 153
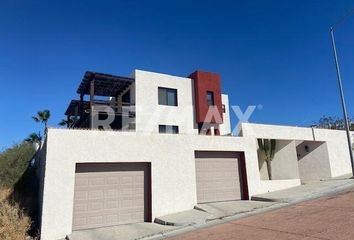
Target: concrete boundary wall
pixel 313 160
pixel 172 164
pixel 284 163
pixel 336 141
pixel 172 168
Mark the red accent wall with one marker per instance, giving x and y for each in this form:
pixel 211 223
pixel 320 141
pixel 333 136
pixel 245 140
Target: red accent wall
pixel 203 82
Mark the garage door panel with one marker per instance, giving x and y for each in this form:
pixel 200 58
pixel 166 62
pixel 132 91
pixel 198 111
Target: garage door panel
pixel 98 204
pixel 109 212
pixel 107 197
pixel 217 176
pixel 112 189
pixel 219 184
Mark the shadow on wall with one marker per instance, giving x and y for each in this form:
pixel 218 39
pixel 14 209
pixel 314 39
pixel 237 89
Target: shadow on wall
pixel 305 148
pixel 25 194
pixel 313 160
pixel 284 163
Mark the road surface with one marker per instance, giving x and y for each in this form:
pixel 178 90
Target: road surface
pixel 327 218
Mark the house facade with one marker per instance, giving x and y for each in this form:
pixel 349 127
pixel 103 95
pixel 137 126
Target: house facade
pixel 153 144
pixel 151 103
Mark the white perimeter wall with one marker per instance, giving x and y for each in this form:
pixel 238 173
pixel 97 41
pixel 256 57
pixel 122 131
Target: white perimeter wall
pixel 336 141
pixel 313 156
pixel 284 163
pixel 172 165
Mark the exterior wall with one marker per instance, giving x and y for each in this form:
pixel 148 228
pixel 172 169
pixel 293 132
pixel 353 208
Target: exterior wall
pixel 149 114
pixel 284 163
pixel 41 174
pixel 225 127
pixel 172 164
pixel 338 152
pixel 249 146
pixel 172 168
pixel 276 132
pixel 276 185
pixel 203 82
pixel 132 93
pixel 316 157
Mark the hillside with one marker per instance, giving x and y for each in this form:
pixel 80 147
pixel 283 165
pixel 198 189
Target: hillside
pixel 18 191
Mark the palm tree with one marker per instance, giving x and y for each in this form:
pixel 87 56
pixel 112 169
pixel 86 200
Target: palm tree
pixel 35 139
pixel 43 117
pixel 268 147
pixel 68 123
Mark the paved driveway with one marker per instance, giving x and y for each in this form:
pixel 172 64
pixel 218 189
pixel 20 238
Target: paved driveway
pixel 324 218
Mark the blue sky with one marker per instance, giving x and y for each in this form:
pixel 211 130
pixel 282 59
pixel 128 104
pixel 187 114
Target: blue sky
pixel 273 53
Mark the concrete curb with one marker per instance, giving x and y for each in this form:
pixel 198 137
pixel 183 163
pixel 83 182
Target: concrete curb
pixel 178 224
pixel 278 205
pixel 185 218
pixel 307 196
pixel 213 222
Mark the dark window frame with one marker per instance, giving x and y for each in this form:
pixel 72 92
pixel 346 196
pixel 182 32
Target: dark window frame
pixel 212 103
pixel 164 100
pixel 170 129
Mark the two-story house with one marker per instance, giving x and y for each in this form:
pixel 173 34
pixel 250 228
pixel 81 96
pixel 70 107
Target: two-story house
pixel 152 144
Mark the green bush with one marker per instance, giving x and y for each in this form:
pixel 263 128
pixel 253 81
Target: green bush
pixel 14 162
pixel 19 210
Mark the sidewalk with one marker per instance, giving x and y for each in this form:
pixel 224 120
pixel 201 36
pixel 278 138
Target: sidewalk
pixel 306 191
pixel 206 212
pixel 327 218
pixel 122 232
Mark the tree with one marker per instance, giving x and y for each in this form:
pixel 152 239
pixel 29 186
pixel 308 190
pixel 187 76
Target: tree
pixel 268 147
pixel 332 122
pixel 68 123
pixel 34 138
pixel 43 117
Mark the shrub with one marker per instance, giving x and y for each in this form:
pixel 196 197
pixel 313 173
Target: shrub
pixel 14 162
pixel 18 193
pixel 14 223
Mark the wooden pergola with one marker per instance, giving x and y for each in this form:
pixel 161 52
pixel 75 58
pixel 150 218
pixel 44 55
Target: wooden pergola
pixel 96 84
pixel 100 84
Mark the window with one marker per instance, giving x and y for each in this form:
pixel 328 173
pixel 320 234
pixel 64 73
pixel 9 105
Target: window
pixel 168 129
pixel 223 108
pixel 210 98
pixel 167 96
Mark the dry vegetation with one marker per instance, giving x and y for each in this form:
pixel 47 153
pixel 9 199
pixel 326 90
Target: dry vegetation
pixel 14 223
pixel 17 193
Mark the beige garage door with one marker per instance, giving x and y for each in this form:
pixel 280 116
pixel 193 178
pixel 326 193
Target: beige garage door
pixel 110 194
pixel 217 176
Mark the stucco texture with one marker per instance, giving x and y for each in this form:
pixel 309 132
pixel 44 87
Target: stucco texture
pixel 172 168
pixel 172 164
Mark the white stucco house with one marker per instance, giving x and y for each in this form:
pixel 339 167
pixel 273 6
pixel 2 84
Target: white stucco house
pixel 153 144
